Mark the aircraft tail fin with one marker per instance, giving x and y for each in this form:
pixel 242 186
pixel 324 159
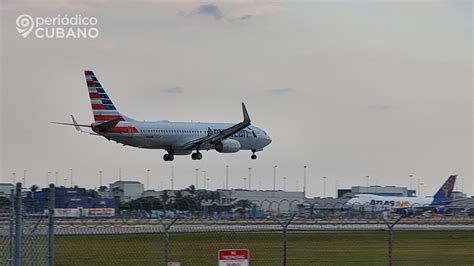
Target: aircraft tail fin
pixel 102 106
pixel 444 194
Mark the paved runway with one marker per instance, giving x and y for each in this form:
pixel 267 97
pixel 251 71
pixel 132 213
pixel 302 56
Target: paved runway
pixel 136 226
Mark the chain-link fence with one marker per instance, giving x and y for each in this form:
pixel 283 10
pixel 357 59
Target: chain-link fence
pixel 25 233
pixel 184 232
pixel 189 232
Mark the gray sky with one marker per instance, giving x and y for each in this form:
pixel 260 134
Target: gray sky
pixel 348 88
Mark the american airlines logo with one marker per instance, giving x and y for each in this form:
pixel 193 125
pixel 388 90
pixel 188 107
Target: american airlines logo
pixel 245 133
pixel 58 27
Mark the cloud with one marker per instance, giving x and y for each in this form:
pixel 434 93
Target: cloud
pixel 233 10
pixel 174 90
pixel 281 91
pixel 209 10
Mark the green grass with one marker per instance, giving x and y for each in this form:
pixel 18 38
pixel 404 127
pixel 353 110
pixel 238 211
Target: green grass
pixel 358 248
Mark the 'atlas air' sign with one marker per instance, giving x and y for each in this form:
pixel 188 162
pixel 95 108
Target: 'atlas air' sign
pixel 390 203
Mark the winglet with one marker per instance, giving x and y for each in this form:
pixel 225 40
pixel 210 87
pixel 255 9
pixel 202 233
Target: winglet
pixel 246 114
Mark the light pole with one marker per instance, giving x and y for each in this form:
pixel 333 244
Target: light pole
pixel 147 179
pixel 14 178
pixel 24 178
pixel 250 178
pixel 100 178
pixel 56 178
pixel 324 186
pixel 284 183
pixel 274 176
pixel 418 193
pixel 71 176
pixel 207 182
pixel 47 178
pixel 172 177
pixel 304 180
pixel 197 177
pixel 367 183
pixel 204 178
pixel 411 182
pixel 226 177
pixel 65 182
pixel 245 182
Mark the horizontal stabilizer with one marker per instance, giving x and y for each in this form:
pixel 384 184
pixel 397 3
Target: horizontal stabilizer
pixel 76 126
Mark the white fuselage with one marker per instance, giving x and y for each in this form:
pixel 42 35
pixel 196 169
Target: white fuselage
pixel 174 135
pixel 387 202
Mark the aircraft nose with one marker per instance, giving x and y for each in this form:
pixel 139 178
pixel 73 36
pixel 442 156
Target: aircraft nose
pixel 268 140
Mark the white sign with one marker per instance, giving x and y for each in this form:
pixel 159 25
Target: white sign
pixel 233 257
pixel 66 212
pixel 98 212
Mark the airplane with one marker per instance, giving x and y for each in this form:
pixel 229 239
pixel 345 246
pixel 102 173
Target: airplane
pixel 408 205
pixel 177 138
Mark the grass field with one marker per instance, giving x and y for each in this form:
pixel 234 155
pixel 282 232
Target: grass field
pixel 309 248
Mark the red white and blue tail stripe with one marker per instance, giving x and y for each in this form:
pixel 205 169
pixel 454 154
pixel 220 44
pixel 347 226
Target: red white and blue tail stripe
pixel 102 106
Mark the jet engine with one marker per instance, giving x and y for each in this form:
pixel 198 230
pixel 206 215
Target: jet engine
pixel 228 146
pixel 409 211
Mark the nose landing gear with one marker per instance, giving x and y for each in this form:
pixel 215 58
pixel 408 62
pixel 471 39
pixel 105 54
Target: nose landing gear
pixel 254 156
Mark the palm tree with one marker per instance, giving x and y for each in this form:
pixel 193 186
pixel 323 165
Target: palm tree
pixel 33 190
pixel 116 191
pixel 165 198
pixel 191 189
pixel 242 206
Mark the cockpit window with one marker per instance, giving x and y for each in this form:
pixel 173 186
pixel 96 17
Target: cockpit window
pixel 264 132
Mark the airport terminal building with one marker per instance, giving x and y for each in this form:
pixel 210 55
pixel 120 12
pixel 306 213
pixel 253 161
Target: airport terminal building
pixel 392 191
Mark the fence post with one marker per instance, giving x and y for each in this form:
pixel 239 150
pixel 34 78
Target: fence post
pixel 51 205
pixel 18 225
pixel 166 228
pixel 284 241
pixel 283 261
pixel 166 248
pixel 390 239
pixel 390 236
pixel 12 223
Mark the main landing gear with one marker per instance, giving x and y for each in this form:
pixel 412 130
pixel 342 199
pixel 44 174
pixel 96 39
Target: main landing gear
pixel 254 156
pixel 168 157
pixel 196 155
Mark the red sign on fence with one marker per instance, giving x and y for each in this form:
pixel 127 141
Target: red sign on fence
pixel 233 257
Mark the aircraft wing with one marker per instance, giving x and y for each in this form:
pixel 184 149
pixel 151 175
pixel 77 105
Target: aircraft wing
pixel 215 138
